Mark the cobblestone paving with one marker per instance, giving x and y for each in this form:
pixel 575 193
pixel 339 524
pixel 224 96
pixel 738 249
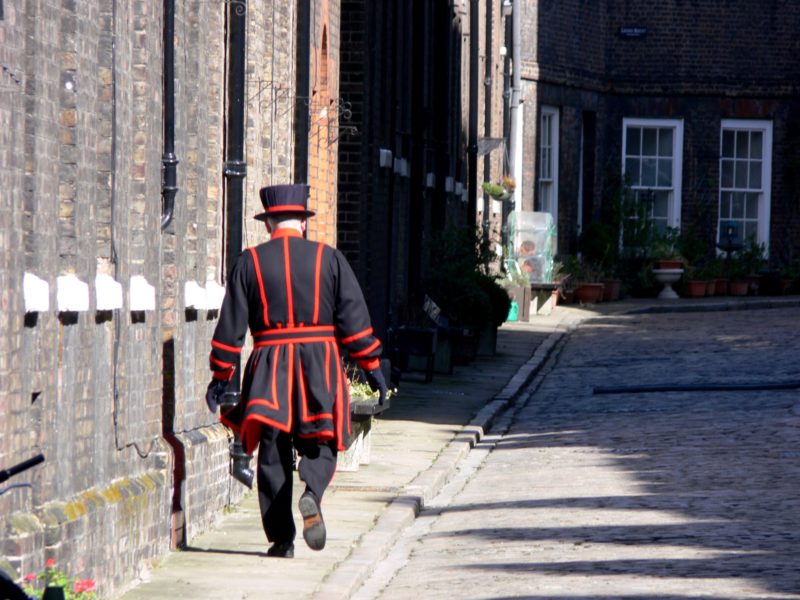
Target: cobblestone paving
pixel 665 495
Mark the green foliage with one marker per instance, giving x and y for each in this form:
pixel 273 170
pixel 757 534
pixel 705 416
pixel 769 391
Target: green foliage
pixel 74 588
pixel 460 265
pixel 597 245
pixel 493 189
pixel 752 256
pixel 667 245
pixel 498 297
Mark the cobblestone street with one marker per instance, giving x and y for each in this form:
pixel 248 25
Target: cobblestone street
pixel 634 494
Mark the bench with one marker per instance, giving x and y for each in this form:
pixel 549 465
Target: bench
pixel 359 443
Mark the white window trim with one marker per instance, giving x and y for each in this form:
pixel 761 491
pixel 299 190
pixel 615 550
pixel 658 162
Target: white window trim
pixel 553 112
pixel 674 209
pixel 764 208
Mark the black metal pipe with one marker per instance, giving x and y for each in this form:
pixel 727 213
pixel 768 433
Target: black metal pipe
pixel 235 171
pixel 235 168
pixel 474 78
pixel 303 83
pixel 169 172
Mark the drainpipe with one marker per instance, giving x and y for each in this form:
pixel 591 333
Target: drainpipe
pixel 169 174
pixel 235 171
pixel 472 142
pixel 303 84
pixel 516 84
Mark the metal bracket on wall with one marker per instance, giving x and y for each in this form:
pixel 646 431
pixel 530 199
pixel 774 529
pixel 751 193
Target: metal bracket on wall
pixel 324 117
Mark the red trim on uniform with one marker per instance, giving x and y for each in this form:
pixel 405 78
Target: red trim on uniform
pixel 231 425
pixel 304 417
pixel 328 367
pixel 220 363
pixel 285 330
pixel 322 435
pixel 282 208
pixel 367 350
pixel 251 427
pixel 298 340
pixel 273 404
pixel 369 365
pixel 274 377
pixel 357 336
pixel 285 232
pixel 317 271
pixel 290 387
pixel 225 347
pixel 287 267
pixel 261 289
pixel 340 403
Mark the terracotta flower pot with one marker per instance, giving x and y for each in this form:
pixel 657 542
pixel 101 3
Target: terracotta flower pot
pixel 668 263
pixel 738 287
pixel 695 288
pixel 589 293
pixel 721 287
pixel 612 288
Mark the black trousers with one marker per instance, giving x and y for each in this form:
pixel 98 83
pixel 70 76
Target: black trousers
pixel 274 477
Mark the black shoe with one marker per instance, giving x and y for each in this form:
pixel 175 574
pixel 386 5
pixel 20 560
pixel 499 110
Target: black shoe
pixel 281 550
pixel 313 525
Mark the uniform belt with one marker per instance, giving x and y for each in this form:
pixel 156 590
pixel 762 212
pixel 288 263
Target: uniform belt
pixel 294 335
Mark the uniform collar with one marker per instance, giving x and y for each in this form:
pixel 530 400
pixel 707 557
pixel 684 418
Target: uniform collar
pixel 281 232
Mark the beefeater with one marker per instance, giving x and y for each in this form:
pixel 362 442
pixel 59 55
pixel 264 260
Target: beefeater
pixel 303 306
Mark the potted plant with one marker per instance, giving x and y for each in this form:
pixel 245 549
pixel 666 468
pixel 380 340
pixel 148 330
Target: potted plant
pixel 737 274
pixel 518 287
pixel 752 256
pixel 501 190
pixel 695 286
pixel 588 288
pixel 665 250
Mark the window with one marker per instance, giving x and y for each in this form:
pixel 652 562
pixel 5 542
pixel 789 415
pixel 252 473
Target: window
pixel 745 165
pixel 652 155
pixel 548 162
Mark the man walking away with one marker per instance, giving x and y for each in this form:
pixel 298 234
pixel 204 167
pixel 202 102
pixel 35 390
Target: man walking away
pixel 303 305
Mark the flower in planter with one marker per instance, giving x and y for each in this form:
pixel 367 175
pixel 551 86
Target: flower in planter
pixel 501 190
pixel 34 584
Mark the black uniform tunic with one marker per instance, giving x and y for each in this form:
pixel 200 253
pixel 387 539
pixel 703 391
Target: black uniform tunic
pixel 301 302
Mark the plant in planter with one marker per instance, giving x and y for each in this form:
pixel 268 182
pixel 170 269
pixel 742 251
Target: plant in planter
pixel 695 285
pixel 665 250
pixel 753 257
pixel 457 284
pixel 501 190
pixel 586 276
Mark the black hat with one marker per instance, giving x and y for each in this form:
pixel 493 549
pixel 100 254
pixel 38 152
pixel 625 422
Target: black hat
pixel 284 200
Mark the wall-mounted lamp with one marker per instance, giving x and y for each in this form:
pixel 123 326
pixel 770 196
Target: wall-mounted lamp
pixel 507 8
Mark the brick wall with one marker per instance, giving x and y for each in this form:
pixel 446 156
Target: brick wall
pixel 698 62
pixel 114 399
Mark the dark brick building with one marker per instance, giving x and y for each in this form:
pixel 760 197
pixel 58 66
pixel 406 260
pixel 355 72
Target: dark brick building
pixel 108 302
pixel 425 82
pixel 696 104
pixel 108 295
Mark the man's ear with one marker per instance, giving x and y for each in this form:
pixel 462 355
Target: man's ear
pixel 303 225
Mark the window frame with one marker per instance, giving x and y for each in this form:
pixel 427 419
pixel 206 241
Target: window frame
pixel 675 205
pixel 553 113
pixel 765 126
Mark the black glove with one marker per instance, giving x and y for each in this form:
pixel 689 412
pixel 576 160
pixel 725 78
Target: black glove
pixel 214 393
pixel 376 383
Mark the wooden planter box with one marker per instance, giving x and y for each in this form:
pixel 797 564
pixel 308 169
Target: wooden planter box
pixel 522 296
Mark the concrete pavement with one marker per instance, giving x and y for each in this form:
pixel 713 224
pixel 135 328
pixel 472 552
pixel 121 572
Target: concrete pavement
pixel 687 493
pixel 416 449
